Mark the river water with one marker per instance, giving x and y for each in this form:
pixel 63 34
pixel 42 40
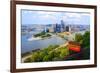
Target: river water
pixel 27 46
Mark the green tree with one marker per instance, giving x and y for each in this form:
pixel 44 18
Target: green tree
pixel 63 52
pixel 42 54
pixel 57 53
pixel 46 58
pixel 86 40
pixel 35 57
pixel 85 44
pixel 79 38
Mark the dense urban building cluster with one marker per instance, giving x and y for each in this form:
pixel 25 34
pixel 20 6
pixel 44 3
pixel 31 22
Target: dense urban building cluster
pixel 56 28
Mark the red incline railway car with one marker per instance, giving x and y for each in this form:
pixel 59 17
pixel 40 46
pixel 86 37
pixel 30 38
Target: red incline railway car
pixel 74 46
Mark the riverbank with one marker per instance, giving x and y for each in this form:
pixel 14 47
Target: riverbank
pixel 34 38
pixel 60 50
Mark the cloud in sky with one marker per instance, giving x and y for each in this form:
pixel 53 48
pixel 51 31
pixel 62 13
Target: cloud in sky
pixel 44 12
pixel 47 17
pixel 73 15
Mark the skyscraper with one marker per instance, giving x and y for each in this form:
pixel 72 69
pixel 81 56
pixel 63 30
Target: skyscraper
pixel 67 28
pixel 62 26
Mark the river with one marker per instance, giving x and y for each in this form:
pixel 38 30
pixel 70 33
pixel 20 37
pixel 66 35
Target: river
pixel 27 46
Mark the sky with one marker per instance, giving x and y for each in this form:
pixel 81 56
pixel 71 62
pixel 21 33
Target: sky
pixel 30 17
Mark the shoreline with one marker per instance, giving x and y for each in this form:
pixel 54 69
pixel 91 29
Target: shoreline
pixel 37 38
pixel 29 54
pixel 34 38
